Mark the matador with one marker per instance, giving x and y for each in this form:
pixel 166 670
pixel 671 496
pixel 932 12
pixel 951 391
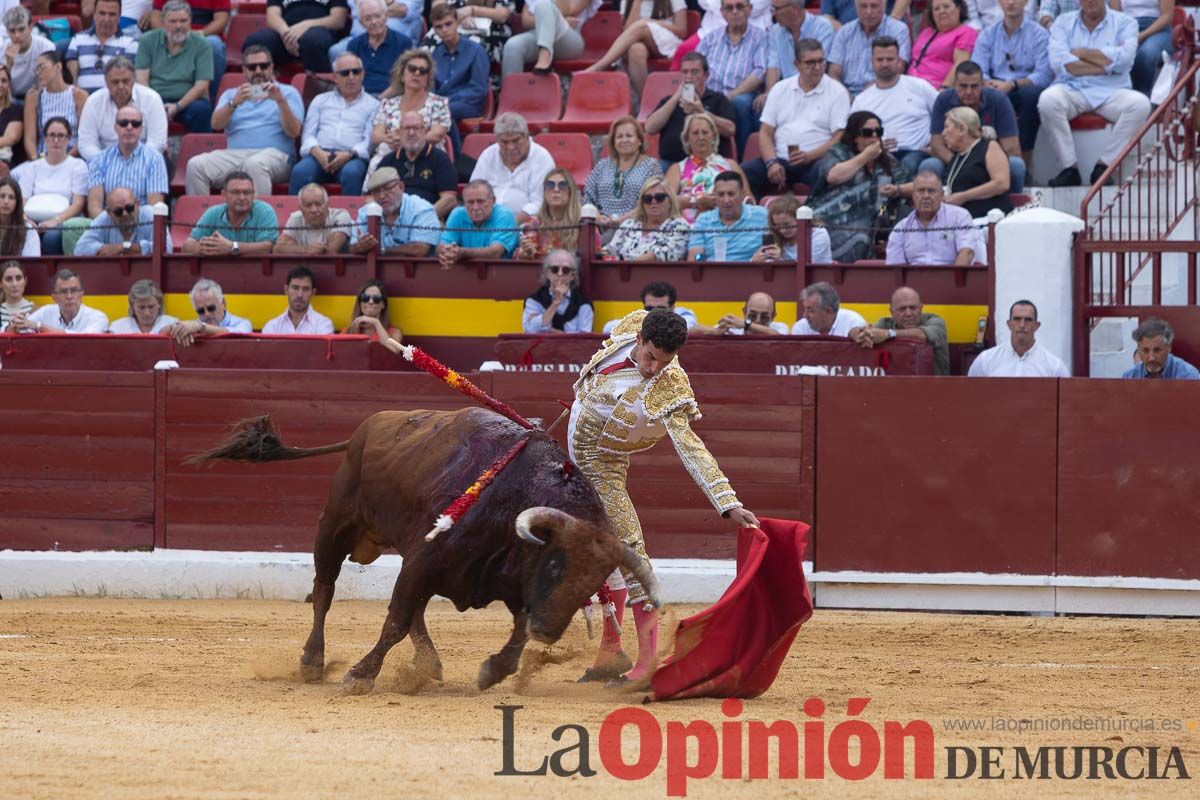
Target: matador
pixel 631 394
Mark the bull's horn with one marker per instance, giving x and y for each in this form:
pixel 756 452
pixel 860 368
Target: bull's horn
pixel 540 515
pixel 640 567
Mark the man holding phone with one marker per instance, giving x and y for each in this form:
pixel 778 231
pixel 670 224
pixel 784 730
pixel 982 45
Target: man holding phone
pixel 691 97
pixel 802 119
pixel 261 119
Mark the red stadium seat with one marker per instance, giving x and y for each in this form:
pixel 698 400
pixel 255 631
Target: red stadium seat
pixel 240 28
pixel 598 33
pixel 658 85
pixel 693 25
pixel 753 150
pixel 571 151
pixel 230 80
pixel 284 205
pixel 193 144
pixel 350 203
pixel 309 89
pixel 1089 122
pixel 250 6
pixel 187 212
pixel 594 100
pixel 475 143
pixel 537 98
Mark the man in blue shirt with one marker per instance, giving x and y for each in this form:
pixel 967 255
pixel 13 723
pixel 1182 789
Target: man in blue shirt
pixel 240 225
pixel 993 109
pixel 409 225
pixel 1153 338
pixel 403 17
pixel 261 119
pixel 379 47
pixel 461 66
pixel 850 56
pixel 1015 58
pixel 478 229
pixel 128 164
pixel 124 228
pixel 792 23
pixel 733 231
pixel 1091 52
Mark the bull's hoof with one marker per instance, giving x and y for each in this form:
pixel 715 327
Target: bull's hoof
pixel 355 685
pixel 431 667
pixel 613 666
pixel 312 673
pixel 489 675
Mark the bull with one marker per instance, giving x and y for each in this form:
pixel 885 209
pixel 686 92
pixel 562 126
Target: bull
pixel 538 539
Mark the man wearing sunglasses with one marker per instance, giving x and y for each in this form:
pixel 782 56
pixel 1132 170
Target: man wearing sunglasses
pixel 757 318
pixel 124 228
pixel 178 64
pixel 212 318
pixel 425 169
pixel 261 120
pixel 96 122
pixel 337 132
pixel 408 227
pixel 302 30
pixel 127 164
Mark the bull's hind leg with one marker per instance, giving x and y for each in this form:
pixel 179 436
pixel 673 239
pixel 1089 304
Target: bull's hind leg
pixel 425 659
pixel 361 677
pixel 334 543
pixel 499 666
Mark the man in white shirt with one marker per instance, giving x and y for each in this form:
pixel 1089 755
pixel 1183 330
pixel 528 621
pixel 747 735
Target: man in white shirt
pixel 659 294
pixel 757 317
pixel 1020 357
pixel 67 315
pixel 802 119
pixel 902 102
pixel 337 132
pixel 823 314
pixel 97 123
pixel 300 317
pixel 515 166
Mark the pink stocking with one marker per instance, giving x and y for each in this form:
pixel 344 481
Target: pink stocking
pixel 647 634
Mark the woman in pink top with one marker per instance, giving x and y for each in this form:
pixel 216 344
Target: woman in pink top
pixel 945 41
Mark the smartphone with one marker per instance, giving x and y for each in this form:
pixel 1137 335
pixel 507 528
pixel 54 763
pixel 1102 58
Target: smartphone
pixel 768 239
pixel 689 93
pixel 258 91
pixel 793 150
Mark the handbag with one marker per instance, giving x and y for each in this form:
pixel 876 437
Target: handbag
pixel 1165 80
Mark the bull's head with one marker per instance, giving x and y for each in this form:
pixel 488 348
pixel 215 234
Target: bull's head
pixel 574 558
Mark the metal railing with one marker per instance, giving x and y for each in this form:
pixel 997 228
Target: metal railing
pixel 1128 225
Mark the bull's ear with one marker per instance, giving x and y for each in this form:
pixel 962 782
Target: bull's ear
pixel 536 525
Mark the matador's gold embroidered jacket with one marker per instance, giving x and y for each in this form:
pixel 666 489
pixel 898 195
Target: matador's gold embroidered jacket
pixel 621 413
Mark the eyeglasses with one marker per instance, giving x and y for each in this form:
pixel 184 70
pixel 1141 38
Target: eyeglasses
pixel 120 211
pixel 734 7
pixel 555 269
pixel 870 132
pixel 370 298
pixel 759 316
pixel 657 197
pixel 345 73
pixel 812 62
pixel 556 186
pixel 57 136
pixel 69 291
pixel 415 70
pixel 257 66
pixel 129 123
pixel 208 309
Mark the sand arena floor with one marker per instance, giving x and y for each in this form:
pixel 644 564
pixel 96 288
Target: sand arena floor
pixel 167 699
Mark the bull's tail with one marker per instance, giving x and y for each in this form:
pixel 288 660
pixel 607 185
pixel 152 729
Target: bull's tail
pixel 256 440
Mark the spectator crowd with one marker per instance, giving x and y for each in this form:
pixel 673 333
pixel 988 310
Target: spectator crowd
pixel 897 129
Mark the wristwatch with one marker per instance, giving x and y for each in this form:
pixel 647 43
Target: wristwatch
pixel 235 249
pixel 891 333
pixel 747 326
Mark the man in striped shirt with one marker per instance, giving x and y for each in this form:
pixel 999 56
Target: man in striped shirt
pixel 90 50
pixel 737 64
pixel 127 164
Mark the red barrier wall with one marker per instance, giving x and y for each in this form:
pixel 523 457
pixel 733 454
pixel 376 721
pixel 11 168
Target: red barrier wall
pixel 78 472
pixel 913 478
pixel 1128 478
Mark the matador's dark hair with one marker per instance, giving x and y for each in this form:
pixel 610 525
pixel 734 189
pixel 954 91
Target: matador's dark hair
pixel 665 330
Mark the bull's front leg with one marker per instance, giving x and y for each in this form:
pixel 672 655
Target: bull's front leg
pixel 499 666
pixel 405 597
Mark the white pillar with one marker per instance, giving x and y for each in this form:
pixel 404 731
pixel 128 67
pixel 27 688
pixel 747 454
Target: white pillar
pixel 1034 261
